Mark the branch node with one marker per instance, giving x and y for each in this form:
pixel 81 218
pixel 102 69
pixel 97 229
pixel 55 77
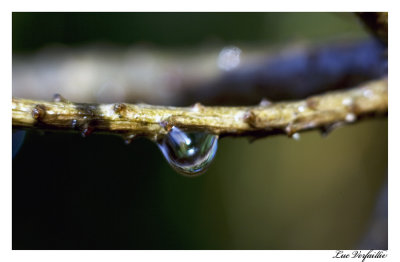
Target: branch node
pixel 250 118
pixel 120 109
pixel 39 112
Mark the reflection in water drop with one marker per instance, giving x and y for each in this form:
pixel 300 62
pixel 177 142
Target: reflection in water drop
pixel 18 138
pixel 229 58
pixel 189 153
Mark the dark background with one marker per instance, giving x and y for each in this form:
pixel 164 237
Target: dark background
pixel 71 192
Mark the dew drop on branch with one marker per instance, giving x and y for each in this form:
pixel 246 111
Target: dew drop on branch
pixel 189 153
pixel 229 58
pixel 296 136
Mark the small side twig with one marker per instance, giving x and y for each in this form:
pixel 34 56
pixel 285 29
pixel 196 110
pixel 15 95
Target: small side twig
pixel 153 121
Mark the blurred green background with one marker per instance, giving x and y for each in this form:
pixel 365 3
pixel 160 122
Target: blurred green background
pixel 71 192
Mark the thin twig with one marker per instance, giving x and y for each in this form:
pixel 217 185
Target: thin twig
pixel 152 121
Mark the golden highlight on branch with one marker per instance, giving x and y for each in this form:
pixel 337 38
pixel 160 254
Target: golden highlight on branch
pixel 264 119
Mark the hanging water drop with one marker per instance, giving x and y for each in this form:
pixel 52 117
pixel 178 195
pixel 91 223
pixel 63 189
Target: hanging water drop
pixel 350 117
pixel 189 153
pixel 296 136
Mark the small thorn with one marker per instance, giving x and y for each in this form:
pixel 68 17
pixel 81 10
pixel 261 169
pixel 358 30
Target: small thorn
pixel 250 118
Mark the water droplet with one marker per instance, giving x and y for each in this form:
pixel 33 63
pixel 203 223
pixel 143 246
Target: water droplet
pixel 265 102
pixel 198 107
pixel 229 58
pixel 350 117
pixel 296 136
pixel 18 138
pixel 189 153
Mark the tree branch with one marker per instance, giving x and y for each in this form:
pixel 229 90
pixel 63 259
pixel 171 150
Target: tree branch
pixel 137 74
pixel 152 121
pixel 295 75
pixel 377 23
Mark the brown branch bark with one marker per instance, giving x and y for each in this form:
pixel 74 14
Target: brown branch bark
pixel 154 121
pixel 377 23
